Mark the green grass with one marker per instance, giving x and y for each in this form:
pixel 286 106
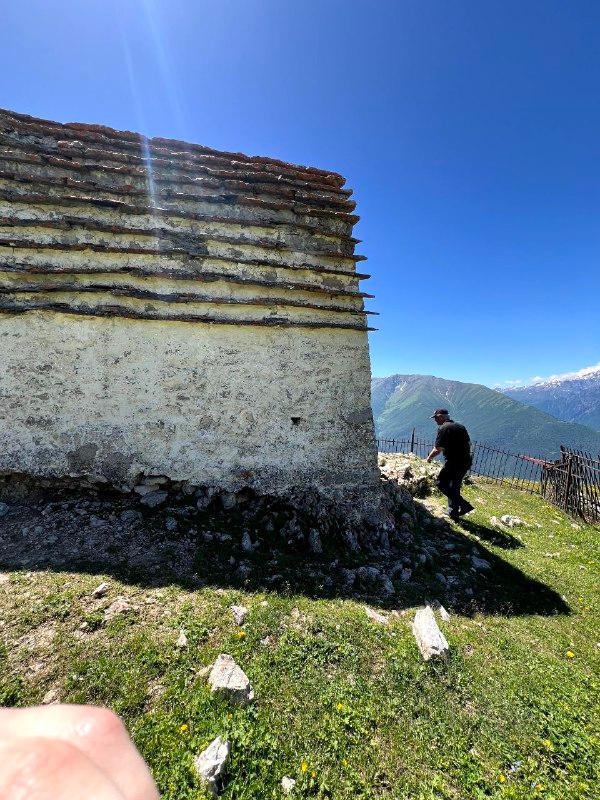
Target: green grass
pixel 343 705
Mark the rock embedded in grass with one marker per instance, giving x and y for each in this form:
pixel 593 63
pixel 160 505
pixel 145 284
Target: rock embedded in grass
pixel 50 697
pixel 375 616
pixel 182 640
pixel 510 521
pixel 239 614
pixel 228 678
pixel 430 639
pixel 100 590
pixel 119 606
pixel 287 784
pixel 210 764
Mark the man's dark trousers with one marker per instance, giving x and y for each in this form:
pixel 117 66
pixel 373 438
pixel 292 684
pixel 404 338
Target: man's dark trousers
pixel 449 482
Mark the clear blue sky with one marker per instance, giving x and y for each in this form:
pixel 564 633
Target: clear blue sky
pixel 470 131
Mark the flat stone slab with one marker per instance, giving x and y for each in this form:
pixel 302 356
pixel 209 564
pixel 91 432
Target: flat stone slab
pixel 430 639
pixel 210 764
pixel 226 677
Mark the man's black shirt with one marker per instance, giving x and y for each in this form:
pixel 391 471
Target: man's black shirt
pixel 454 438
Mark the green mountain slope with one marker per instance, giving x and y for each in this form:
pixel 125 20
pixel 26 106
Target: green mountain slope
pixel 404 402
pixel 575 398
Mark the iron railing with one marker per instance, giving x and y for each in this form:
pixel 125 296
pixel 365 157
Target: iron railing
pixel 573 484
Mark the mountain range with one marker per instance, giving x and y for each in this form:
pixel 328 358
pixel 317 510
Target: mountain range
pixel 574 397
pixel 403 402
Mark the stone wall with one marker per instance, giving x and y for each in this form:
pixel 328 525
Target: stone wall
pixel 167 309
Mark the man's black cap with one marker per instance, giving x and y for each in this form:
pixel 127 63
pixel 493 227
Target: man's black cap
pixel 443 411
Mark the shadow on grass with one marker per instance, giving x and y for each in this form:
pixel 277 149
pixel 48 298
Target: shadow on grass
pixel 180 545
pixel 494 536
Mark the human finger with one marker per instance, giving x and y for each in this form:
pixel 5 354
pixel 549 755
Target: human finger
pixel 50 769
pixel 97 732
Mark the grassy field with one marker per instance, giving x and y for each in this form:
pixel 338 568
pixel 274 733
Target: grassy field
pixel 344 705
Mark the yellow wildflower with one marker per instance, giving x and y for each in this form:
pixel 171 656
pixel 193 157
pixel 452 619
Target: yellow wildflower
pixel 502 778
pixel 570 654
pixel 183 728
pixel 241 634
pixel 547 743
pixel 230 716
pixel 313 774
pixel 340 706
pixel 304 767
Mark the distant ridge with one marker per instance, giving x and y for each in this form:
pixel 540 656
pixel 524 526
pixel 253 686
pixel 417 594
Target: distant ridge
pixel 404 402
pixel 573 398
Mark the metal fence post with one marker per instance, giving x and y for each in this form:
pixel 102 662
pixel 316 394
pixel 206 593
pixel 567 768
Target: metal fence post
pixel 412 441
pixel 568 482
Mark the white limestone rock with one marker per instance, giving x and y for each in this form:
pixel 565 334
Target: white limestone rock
pixel 239 614
pixel 227 677
pixel 287 784
pixel 210 764
pixel 50 698
pixel 182 640
pixel 511 522
pixel 430 639
pixel 375 616
pixel 100 590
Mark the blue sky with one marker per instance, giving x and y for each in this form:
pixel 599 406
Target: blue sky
pixel 469 130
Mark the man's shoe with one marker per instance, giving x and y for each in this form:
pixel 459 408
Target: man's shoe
pixel 466 510
pixel 454 516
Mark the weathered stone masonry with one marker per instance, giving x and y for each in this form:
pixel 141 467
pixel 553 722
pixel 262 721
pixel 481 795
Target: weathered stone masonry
pixel 168 309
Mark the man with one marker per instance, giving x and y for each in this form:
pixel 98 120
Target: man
pixel 453 441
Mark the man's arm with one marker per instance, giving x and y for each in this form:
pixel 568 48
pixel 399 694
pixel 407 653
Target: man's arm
pixel 435 452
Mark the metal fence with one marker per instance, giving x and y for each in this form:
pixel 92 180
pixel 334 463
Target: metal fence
pixel 571 483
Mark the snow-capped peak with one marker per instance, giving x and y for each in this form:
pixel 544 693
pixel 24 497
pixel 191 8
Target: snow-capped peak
pixel 587 373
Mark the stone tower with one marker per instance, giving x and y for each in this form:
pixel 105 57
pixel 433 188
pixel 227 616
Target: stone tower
pixel 167 309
